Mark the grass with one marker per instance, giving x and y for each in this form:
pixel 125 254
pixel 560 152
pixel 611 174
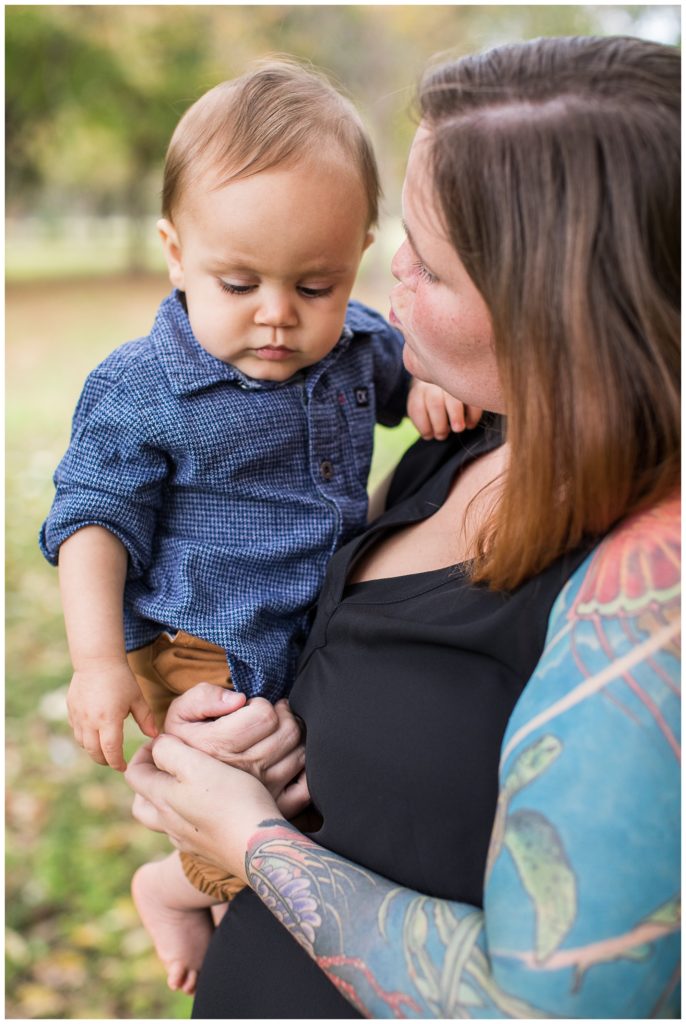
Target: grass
pixel 75 948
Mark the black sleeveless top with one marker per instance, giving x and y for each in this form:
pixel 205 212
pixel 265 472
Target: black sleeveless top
pixel 405 686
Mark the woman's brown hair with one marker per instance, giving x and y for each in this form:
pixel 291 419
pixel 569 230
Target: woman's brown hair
pixel 556 166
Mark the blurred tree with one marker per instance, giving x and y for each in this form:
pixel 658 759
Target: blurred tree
pixel 93 92
pixel 48 67
pixel 83 75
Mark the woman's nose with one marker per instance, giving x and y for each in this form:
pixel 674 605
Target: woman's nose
pixel 401 263
pixel 276 309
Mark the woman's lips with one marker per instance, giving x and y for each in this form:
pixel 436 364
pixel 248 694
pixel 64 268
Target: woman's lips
pixel 275 353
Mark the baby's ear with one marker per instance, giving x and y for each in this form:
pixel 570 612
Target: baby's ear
pixel 368 241
pixel 172 251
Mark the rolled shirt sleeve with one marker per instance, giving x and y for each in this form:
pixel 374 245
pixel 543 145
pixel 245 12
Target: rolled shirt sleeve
pixel 112 475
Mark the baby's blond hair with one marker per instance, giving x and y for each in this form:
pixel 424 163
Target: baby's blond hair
pixel 276 112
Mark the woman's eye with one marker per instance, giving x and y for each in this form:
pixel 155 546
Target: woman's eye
pixel 424 272
pixel 236 289
pixel 314 293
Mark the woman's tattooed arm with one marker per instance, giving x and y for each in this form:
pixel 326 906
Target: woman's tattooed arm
pixel 581 904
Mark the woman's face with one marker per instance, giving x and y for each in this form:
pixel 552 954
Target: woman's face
pixel 444 320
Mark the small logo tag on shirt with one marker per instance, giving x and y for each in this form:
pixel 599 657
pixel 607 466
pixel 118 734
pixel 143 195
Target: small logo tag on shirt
pixel 362 396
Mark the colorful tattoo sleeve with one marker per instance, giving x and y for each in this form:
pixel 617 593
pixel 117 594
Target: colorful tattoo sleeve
pixel 581 905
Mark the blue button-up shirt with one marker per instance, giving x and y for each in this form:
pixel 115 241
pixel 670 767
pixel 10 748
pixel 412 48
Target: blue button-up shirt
pixel 230 494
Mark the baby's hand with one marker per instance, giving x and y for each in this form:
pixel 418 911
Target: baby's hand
pixel 435 413
pixel 98 701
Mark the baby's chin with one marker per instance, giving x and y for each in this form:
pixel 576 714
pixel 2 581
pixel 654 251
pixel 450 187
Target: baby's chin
pixel 270 371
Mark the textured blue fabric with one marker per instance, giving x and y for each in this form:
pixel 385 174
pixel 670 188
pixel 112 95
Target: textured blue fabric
pixel 229 494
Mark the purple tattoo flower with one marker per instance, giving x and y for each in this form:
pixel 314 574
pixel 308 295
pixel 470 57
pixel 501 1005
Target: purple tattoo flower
pixel 288 894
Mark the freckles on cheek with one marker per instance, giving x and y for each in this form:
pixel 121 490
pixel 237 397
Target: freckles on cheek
pixel 424 321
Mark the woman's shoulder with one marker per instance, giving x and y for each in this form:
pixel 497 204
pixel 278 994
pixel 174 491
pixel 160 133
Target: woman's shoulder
pixel 636 565
pixel 613 633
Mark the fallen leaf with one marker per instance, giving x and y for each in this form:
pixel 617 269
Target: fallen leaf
pixel 36 1001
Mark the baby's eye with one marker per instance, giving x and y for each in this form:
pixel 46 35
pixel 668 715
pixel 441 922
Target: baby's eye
pixel 236 289
pixel 314 293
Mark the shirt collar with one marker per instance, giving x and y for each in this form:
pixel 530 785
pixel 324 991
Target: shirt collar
pixel 189 367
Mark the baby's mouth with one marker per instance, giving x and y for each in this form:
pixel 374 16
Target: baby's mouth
pixel 274 353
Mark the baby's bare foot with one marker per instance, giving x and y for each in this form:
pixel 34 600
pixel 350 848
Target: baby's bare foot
pixel 173 913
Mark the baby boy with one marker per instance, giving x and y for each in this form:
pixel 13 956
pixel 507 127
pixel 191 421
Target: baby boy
pixel 216 464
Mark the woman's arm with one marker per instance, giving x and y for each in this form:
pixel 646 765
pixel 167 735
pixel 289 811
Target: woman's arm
pixel 581 910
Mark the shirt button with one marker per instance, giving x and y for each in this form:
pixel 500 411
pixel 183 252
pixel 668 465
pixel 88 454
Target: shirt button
pixel 326 469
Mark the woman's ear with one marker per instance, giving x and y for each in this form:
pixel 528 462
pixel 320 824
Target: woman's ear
pixel 172 251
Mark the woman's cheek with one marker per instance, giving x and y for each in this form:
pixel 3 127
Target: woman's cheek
pixel 423 321
pixel 401 303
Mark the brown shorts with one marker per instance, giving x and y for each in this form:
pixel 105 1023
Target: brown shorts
pixel 164 669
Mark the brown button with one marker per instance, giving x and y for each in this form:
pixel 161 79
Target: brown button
pixel 326 469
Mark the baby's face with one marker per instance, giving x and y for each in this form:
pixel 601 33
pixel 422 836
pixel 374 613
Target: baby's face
pixel 268 263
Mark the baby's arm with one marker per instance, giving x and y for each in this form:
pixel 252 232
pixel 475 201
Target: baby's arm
pixel 103 690
pixel 435 413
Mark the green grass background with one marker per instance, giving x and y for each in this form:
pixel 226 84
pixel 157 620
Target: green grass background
pixel 75 948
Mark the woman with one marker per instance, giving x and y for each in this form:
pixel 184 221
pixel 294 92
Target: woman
pixel 490 686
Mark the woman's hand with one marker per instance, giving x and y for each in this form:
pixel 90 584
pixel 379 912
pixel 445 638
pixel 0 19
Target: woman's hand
pixel 205 807
pixel 253 735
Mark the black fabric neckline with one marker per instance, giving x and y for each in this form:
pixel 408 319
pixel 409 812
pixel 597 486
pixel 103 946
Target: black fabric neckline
pixel 428 499
pixel 399 588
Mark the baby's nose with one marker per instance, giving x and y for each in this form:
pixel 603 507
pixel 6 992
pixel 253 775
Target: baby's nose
pixel 276 309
